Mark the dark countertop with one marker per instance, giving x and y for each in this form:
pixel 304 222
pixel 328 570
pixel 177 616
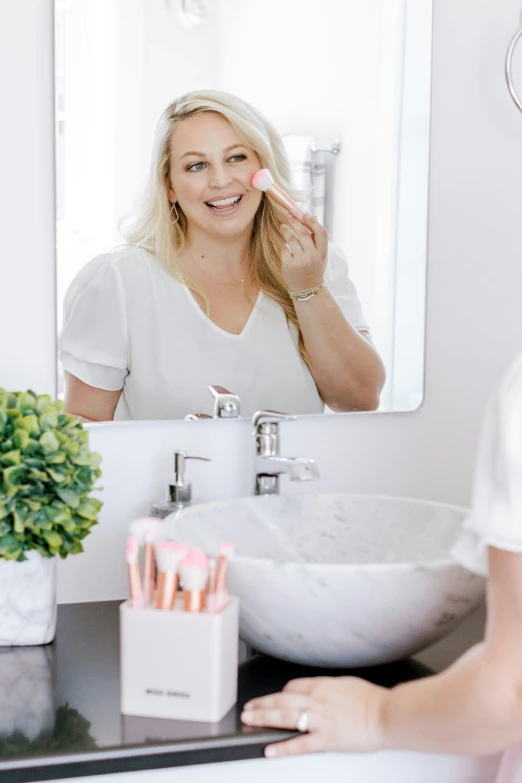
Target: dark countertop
pixel 60 706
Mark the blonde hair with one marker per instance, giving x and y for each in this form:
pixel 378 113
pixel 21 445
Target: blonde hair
pixel 152 229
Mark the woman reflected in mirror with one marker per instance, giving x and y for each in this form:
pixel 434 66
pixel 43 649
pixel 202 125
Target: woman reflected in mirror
pixel 216 284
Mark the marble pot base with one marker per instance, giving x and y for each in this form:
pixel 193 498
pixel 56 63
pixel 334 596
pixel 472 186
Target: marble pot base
pixel 27 678
pixel 27 600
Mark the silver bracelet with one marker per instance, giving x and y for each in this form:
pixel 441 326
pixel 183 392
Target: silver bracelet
pixel 307 293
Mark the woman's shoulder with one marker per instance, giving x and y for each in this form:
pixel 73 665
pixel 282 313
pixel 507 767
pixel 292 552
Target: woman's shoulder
pixel 124 257
pixel 117 266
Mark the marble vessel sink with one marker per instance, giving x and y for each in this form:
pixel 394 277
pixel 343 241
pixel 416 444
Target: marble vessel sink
pixel 338 579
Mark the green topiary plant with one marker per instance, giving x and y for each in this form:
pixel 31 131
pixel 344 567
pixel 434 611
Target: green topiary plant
pixel 46 475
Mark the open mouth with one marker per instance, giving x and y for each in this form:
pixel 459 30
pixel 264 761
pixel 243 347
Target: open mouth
pixel 224 206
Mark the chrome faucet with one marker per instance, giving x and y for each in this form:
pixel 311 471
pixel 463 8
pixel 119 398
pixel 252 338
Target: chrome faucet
pixel 269 462
pixel 226 405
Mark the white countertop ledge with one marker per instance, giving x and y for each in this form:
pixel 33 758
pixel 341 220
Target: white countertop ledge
pixel 385 767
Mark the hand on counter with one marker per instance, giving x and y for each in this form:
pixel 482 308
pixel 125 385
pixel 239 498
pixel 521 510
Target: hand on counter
pixel 339 714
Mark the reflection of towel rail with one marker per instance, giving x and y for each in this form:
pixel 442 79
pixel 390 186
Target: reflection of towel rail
pixel 509 72
pixel 334 149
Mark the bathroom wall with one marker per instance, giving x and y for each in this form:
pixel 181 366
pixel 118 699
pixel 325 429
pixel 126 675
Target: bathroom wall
pixel 366 66
pixel 474 275
pixel 27 280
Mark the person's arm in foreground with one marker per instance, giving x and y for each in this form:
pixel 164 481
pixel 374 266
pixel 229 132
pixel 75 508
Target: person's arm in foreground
pixel 475 706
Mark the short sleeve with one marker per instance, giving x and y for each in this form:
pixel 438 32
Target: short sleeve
pixel 342 288
pixel 92 344
pixel 496 515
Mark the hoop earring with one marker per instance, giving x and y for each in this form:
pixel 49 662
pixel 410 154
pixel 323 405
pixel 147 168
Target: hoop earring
pixel 170 214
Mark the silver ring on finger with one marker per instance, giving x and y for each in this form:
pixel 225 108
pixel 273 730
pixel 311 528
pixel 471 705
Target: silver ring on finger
pixel 302 722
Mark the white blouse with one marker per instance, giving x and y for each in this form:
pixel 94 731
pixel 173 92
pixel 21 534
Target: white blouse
pixel 128 324
pixel 496 515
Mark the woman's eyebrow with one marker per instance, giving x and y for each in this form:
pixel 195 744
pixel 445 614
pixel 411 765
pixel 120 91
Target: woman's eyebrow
pixel 202 154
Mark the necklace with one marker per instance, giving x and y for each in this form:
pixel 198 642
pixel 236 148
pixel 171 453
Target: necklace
pixel 218 282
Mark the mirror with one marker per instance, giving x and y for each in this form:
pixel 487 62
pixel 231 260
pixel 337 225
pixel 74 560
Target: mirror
pixel 347 88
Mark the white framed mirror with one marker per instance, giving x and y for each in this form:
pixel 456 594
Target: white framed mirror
pixel 347 87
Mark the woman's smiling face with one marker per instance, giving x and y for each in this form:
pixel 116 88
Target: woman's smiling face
pixel 211 172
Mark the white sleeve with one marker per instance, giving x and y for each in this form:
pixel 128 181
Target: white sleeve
pixel 342 288
pixel 92 344
pixel 496 515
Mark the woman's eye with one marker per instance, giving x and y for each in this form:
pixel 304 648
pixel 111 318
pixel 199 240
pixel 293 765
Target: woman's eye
pixel 235 157
pixel 193 167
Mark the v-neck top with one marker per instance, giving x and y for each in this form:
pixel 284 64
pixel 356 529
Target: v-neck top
pixel 128 324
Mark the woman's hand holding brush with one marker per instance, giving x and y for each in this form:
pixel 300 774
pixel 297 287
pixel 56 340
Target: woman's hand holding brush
pixel 304 256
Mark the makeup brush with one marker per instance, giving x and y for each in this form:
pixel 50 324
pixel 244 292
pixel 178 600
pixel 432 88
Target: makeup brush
pixel 140 526
pixel 194 576
pixel 148 530
pixel 264 181
pixel 169 554
pixel 211 586
pixel 226 550
pixel 136 591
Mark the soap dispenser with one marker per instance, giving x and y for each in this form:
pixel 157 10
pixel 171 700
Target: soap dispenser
pixel 180 492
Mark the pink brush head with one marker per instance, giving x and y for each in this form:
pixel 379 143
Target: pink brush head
pixel 147 529
pixel 193 570
pixel 262 180
pixel 196 558
pixel 131 550
pixel 226 548
pixel 169 554
pixel 174 548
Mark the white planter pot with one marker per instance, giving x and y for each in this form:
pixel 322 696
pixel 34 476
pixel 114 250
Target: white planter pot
pixel 27 600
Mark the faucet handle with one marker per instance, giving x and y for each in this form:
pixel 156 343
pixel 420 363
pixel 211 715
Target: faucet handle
pixel 266 431
pixel 196 416
pixel 226 403
pixel 270 417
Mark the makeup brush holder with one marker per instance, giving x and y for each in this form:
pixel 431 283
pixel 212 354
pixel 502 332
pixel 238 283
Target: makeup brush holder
pixel 179 665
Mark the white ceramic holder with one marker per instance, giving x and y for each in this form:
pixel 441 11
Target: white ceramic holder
pixel 179 665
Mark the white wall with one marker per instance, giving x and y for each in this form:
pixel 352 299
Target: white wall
pixel 27 278
pixel 338 75
pixel 474 272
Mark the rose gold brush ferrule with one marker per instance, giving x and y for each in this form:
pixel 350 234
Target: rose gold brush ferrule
pixel 220 598
pixel 167 587
pixel 285 201
pixel 222 571
pixel 193 600
pixel 211 585
pixel 148 573
pixel 135 585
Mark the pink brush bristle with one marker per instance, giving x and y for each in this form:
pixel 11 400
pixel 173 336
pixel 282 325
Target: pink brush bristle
pixel 257 177
pixel 132 549
pixel 262 180
pixel 173 546
pixel 194 570
pixel 146 529
pixel 226 548
pixel 196 558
